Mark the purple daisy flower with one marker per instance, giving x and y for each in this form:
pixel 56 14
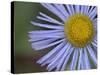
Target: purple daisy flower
pixel 74 39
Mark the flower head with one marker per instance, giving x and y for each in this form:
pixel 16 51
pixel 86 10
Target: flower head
pixel 73 40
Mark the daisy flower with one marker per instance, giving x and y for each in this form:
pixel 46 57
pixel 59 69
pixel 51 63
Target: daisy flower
pixel 73 40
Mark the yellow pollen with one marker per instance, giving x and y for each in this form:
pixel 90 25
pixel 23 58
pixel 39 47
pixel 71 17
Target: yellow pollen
pixel 79 30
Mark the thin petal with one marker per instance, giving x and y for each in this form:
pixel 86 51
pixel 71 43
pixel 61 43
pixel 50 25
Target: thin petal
pixel 58 56
pixel 95 50
pixel 80 59
pixel 74 60
pixel 34 39
pixel 39 44
pixel 58 35
pixel 86 59
pixel 49 19
pixel 95 41
pixel 82 9
pixel 61 61
pixel 77 8
pixel 93 57
pixel 94 44
pixel 46 34
pixel 95 24
pixel 42 37
pixel 85 10
pixel 91 9
pixel 66 60
pixel 47 45
pixel 54 11
pixel 72 9
pixel 47 25
pixel 93 14
pixel 95 37
pixel 62 9
pixel 51 53
pixel 82 63
pixel 45 31
pixel 69 9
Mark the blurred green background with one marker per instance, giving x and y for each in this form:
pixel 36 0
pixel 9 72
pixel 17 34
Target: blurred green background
pixel 25 56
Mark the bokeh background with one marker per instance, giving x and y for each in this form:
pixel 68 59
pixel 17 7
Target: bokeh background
pixel 25 56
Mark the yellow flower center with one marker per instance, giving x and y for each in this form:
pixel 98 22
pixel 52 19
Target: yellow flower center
pixel 79 30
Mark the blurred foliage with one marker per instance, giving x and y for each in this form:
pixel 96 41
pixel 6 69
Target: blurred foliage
pixel 25 56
